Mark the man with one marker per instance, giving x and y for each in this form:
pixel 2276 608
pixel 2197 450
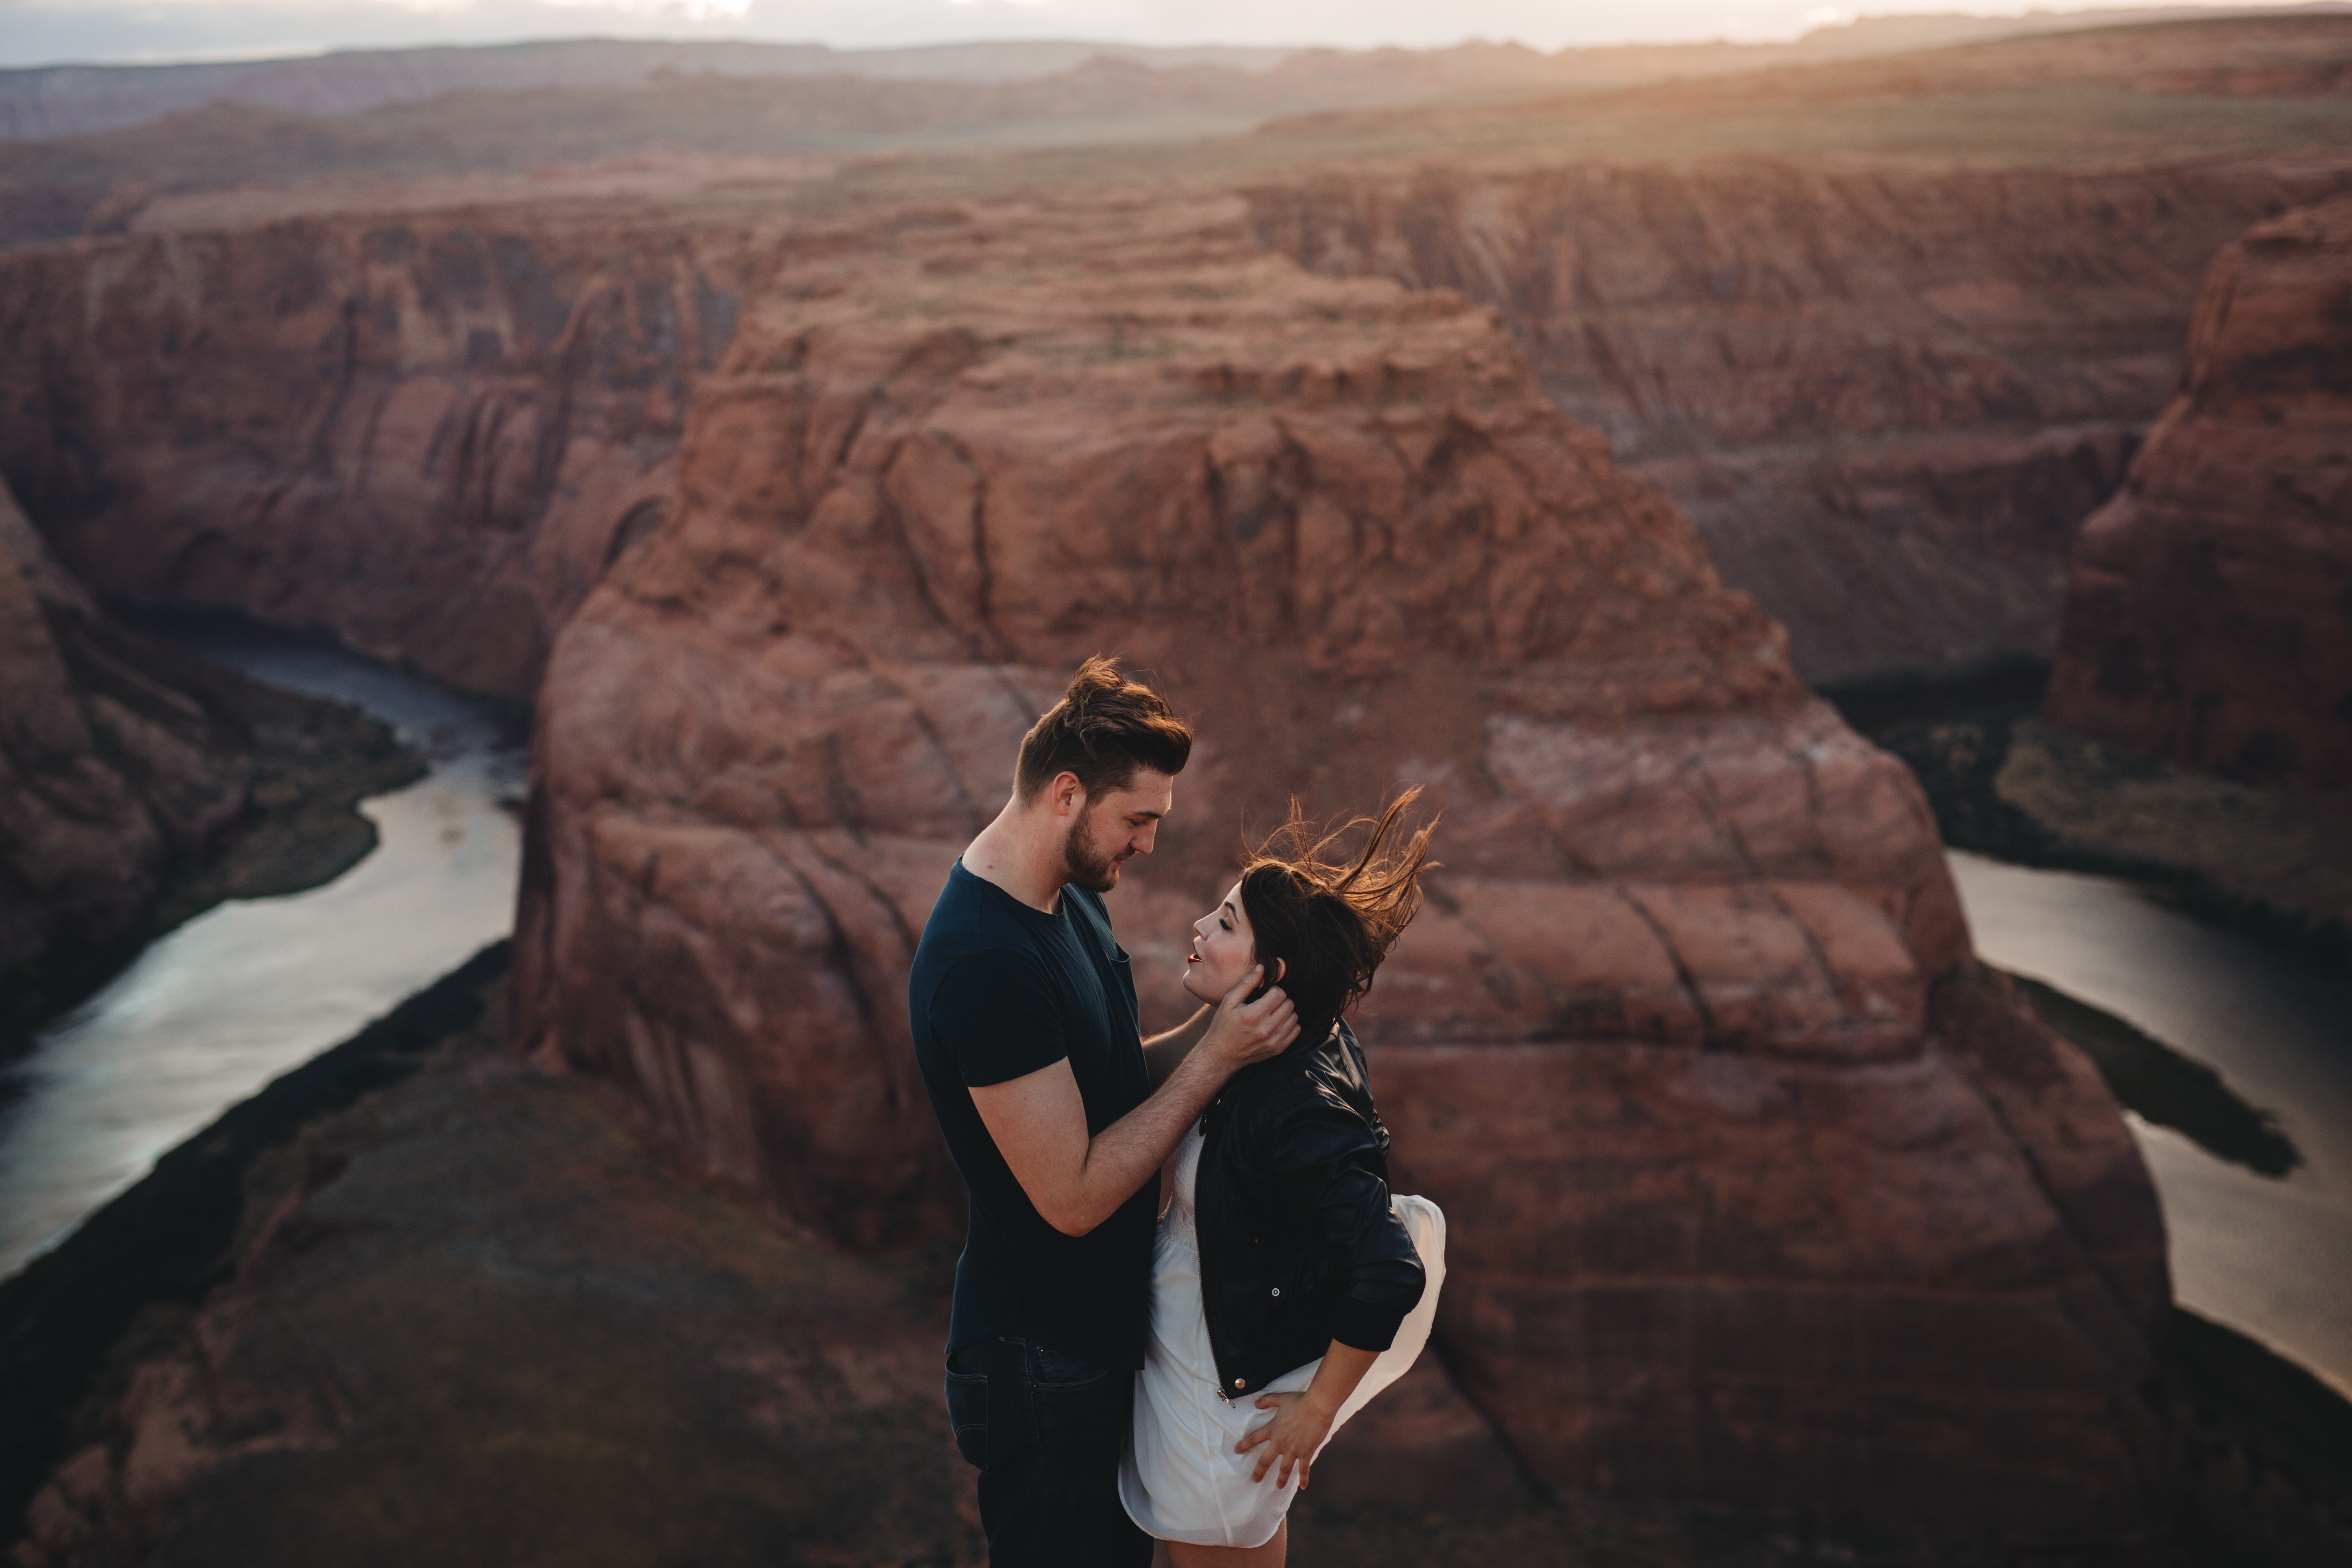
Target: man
pixel 1026 1030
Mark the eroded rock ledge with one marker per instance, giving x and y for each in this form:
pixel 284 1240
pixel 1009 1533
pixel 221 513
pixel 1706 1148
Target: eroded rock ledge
pixel 106 771
pixel 1886 393
pixel 1764 1192
pixel 426 434
pixel 2209 617
pixel 140 786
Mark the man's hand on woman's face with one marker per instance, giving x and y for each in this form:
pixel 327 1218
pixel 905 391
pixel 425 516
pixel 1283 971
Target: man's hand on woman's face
pixel 1242 1032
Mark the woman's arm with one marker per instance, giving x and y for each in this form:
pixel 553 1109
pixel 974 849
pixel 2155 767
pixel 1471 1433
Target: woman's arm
pixel 1320 1164
pixel 1301 1421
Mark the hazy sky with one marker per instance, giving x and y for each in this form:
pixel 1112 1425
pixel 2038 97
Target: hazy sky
pixel 40 31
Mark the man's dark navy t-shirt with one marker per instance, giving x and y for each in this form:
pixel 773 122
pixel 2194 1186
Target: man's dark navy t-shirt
pixel 1000 990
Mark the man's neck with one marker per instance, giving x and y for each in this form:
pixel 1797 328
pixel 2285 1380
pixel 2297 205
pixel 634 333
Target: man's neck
pixel 1013 855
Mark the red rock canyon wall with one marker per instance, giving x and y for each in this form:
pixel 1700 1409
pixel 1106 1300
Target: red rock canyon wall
pixel 1885 394
pixel 429 436
pixel 105 769
pixel 1762 1192
pixel 2209 617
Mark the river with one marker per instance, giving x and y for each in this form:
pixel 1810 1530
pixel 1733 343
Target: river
pixel 214 1010
pixel 2271 1259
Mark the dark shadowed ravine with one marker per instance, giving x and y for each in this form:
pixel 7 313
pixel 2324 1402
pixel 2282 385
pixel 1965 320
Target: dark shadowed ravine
pixel 228 1001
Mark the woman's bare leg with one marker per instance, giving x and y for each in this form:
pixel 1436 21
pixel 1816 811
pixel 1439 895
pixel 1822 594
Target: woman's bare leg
pixel 1270 1555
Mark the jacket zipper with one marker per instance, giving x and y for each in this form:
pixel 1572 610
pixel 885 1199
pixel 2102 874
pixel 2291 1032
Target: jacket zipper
pixel 1209 1297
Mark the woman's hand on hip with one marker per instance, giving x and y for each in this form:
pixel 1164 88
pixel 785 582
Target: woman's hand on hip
pixel 1299 1426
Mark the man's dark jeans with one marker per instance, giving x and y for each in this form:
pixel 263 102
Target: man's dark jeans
pixel 1045 1430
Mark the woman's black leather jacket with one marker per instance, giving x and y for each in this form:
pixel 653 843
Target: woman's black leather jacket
pixel 1298 1245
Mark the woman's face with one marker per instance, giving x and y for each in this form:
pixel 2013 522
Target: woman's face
pixel 1224 949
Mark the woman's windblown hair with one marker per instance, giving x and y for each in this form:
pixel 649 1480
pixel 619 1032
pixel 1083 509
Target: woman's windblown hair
pixel 1332 921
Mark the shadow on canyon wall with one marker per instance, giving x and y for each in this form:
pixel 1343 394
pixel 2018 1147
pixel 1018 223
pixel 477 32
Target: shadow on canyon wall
pixel 791 493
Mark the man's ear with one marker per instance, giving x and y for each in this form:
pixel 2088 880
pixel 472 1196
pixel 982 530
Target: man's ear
pixel 1066 792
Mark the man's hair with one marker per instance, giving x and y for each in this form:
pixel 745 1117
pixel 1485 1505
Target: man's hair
pixel 1104 728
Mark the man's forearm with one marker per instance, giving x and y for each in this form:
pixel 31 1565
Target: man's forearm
pixel 1130 1150
pixel 1077 1181
pixel 1163 1053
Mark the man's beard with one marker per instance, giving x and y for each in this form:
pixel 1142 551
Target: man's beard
pixel 1084 866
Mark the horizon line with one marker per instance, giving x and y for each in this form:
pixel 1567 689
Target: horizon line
pixel 266 54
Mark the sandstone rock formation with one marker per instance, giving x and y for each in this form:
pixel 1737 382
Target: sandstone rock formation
pixel 1763 1192
pixel 416 1301
pixel 2209 616
pixel 107 769
pixel 429 436
pixel 1886 390
pixel 1884 394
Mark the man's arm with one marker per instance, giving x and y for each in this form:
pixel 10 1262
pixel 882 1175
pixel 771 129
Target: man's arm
pixel 1162 1054
pixel 1039 1120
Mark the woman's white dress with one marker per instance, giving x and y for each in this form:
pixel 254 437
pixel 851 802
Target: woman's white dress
pixel 1179 1477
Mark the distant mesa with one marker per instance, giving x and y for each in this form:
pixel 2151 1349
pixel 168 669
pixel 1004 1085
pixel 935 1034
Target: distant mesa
pixel 46 103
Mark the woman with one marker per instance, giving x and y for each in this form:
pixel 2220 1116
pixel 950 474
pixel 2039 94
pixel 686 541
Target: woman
pixel 1286 1280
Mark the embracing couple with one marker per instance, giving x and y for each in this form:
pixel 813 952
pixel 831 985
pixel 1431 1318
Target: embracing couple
pixel 1184 1269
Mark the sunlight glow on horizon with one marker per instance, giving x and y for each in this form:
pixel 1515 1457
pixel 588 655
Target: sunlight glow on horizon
pixel 35 32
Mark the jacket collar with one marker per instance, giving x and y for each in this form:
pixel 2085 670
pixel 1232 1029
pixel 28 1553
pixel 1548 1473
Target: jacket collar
pixel 1301 1052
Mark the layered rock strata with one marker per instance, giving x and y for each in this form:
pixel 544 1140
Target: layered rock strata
pixel 1762 1192
pixel 2209 615
pixel 1885 394
pixel 107 771
pixel 429 436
